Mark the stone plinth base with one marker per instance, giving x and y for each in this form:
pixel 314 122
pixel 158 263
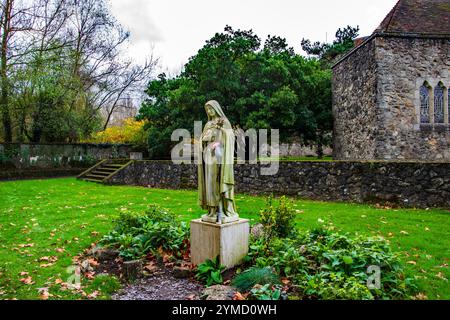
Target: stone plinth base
pixel 224 219
pixel 229 241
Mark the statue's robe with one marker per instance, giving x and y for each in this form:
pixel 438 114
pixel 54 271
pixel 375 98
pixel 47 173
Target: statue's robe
pixel 215 174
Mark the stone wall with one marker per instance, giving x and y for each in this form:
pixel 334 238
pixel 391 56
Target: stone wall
pixel 407 184
pixel 404 65
pixel 356 118
pixel 376 101
pixel 296 149
pixel 46 156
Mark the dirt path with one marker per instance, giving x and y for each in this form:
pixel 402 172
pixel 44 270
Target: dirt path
pixel 161 286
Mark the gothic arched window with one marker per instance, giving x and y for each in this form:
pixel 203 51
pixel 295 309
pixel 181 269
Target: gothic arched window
pixel 439 103
pixel 424 104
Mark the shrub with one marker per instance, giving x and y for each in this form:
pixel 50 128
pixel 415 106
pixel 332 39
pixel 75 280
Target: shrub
pixel 253 276
pixel 278 221
pixel 210 272
pixel 137 234
pixel 131 131
pixel 335 286
pixel 327 265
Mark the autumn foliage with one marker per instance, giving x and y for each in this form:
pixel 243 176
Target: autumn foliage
pixel 131 131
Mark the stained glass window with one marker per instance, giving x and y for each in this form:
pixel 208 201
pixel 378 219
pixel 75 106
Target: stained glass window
pixel 424 104
pixel 439 104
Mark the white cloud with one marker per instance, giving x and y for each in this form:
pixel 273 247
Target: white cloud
pixel 179 28
pixel 136 16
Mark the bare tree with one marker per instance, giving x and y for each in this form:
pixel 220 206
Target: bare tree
pixel 63 54
pixel 16 18
pixel 108 78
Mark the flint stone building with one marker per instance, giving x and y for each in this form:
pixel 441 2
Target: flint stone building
pixel 391 93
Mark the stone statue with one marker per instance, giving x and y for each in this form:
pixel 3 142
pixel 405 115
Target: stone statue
pixel 215 167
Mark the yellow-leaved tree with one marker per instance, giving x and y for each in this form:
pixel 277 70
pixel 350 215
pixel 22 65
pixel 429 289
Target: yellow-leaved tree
pixel 130 132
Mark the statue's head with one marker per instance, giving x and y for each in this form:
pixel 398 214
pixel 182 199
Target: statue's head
pixel 213 110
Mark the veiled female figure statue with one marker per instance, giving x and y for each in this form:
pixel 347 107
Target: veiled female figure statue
pixel 215 167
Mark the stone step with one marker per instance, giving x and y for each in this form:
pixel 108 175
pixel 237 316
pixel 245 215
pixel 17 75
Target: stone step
pixel 106 169
pixel 99 173
pixel 92 180
pixel 111 166
pixel 91 175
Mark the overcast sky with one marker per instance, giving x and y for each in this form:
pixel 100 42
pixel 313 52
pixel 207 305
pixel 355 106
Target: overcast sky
pixel 177 29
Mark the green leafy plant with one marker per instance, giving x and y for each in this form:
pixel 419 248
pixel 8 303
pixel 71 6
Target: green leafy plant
pixel 278 221
pixel 210 272
pixel 136 234
pixel 336 286
pixel 266 292
pixel 253 276
pixel 324 264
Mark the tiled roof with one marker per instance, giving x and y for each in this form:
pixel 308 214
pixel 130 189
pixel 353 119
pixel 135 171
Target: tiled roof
pixel 421 17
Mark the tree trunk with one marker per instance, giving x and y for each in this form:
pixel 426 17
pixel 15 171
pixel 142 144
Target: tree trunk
pixel 320 145
pixel 4 103
pixel 320 150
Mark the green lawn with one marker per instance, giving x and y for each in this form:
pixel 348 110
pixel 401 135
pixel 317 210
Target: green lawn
pixel 59 218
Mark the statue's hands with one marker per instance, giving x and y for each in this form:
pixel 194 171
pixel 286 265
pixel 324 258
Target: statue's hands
pixel 219 123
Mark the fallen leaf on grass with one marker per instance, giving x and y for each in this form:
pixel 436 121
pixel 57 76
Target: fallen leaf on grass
pixel 60 250
pixel 404 232
pixel 27 280
pixel 46 265
pixel 58 281
pixel 441 276
pixel 28 245
pixel 412 262
pixel 52 259
pixel 23 273
pixel 420 296
pixel 44 294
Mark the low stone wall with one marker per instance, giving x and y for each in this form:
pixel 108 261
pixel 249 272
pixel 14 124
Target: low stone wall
pixel 45 156
pixel 6 175
pixel 403 183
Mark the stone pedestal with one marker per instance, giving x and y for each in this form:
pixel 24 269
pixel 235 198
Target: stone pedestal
pixel 229 241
